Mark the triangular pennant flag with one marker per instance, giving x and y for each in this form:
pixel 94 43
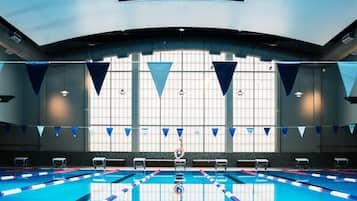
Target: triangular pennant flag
pixel 127 131
pixel 1 66
pixel 97 71
pixel 36 72
pixel 57 130
pixel 215 131
pixel 23 128
pixel 144 131
pixel 349 74
pixel 266 130
pixel 74 131
pixel 91 130
pixel 288 72
pixel 179 131
pixel 165 131
pixel 109 131
pixel 40 130
pixel 250 130
pixel 301 130
pixel 159 72
pixel 224 71
pixel 351 127
pixel 318 130
pixel 335 129
pixel 232 131
pixel 284 130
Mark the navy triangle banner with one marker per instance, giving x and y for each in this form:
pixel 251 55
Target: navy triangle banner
pixel 288 72
pixel 284 130
pixel 266 130
pixel 232 131
pixel 127 131
pixel 109 131
pixel 36 72
pixel 335 129
pixel 97 71
pixel 318 130
pixel 159 72
pixel 215 131
pixel 179 131
pixel 224 71
pixel 349 74
pixel 74 131
pixel 165 131
pixel 57 130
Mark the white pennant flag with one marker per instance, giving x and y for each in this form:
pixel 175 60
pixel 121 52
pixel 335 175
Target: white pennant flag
pixel 301 130
pixel 91 130
pixel 40 130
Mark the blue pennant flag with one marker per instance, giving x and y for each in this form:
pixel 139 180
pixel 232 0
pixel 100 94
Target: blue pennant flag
pixel 284 130
pixel 215 131
pixel 57 130
pixel 127 131
pixel 1 66
pixel 232 131
pixel 165 131
pixel 318 130
pixel 250 130
pixel 351 127
pixel 40 130
pixel 335 129
pixel 224 71
pixel 349 74
pixel 74 131
pixel 288 72
pixel 266 130
pixel 36 72
pixel 179 131
pixel 23 128
pixel 109 131
pixel 159 72
pixel 97 71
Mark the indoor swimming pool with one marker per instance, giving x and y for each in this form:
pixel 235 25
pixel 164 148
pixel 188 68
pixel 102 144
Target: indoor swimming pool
pixel 84 185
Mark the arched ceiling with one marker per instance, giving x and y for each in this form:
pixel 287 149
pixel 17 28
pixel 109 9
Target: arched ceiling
pixel 51 21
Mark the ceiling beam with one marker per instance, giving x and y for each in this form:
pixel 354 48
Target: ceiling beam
pixel 23 48
pixel 340 50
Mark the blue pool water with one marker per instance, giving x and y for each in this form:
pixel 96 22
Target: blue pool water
pixel 84 185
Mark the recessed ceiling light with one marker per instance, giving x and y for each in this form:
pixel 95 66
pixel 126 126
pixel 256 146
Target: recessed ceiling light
pixel 181 29
pixel 298 94
pixel 91 44
pixel 64 93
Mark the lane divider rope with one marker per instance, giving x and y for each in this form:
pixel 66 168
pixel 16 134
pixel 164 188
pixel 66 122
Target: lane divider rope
pixel 331 177
pixel 304 185
pixel 131 186
pixel 220 187
pixel 54 182
pixel 43 173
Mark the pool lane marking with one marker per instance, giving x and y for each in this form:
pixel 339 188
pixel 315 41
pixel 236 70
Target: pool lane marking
pixel 52 183
pixel 220 186
pixel 303 184
pixel 331 177
pixel 44 173
pixel 131 186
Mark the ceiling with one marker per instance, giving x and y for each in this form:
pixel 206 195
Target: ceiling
pixel 51 21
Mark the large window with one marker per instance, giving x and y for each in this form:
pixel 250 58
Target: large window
pixel 192 99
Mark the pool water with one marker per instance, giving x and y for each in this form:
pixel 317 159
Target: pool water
pixel 84 185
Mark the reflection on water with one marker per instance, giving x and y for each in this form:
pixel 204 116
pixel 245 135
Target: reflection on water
pixel 192 192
